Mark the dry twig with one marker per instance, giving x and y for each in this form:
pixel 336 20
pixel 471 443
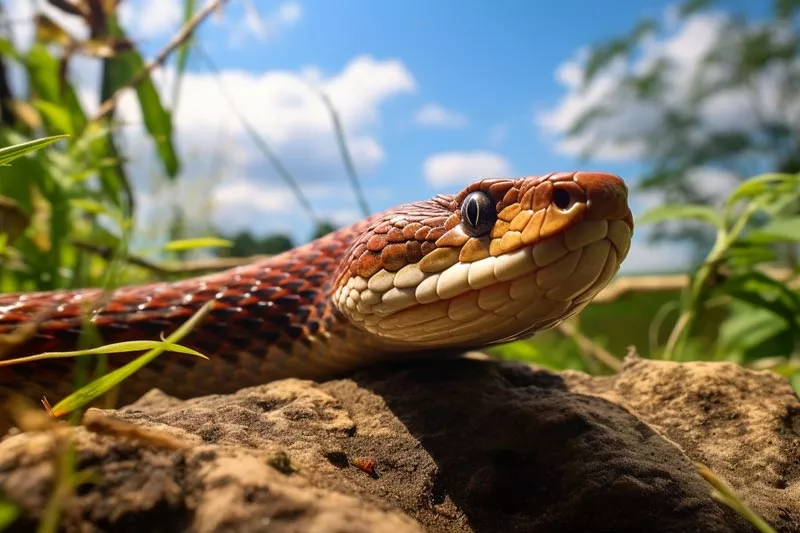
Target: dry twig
pixel 589 347
pixel 198 266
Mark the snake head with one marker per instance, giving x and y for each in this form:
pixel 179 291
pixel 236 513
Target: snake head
pixel 499 261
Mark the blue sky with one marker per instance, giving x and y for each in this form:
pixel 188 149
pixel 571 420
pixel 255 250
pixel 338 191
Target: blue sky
pixel 491 62
pixel 432 95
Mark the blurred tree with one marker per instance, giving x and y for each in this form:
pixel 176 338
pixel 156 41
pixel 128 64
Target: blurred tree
pixel 245 245
pixel 699 124
pixel 322 229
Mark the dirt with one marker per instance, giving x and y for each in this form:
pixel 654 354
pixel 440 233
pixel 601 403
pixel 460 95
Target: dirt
pixel 462 445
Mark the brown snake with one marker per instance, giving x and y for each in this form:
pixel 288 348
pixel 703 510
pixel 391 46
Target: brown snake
pixel 501 260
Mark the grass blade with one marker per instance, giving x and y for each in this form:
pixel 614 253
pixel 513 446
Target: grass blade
pixel 119 347
pixel 201 242
pixel 725 495
pixel 182 56
pixel 103 384
pixel 10 153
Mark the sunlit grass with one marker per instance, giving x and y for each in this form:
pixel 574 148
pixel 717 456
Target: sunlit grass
pixel 105 383
pixel 725 495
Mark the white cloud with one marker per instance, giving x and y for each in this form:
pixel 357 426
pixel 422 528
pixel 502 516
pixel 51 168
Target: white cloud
pixel 151 18
pixel 237 203
pixel 450 168
pixel 498 134
pixel 434 115
pixel 220 159
pixel 290 12
pixel 264 27
pixel 241 193
pixel 618 134
pixel 282 106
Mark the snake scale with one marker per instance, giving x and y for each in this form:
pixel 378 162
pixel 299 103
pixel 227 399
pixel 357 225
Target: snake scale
pixel 501 260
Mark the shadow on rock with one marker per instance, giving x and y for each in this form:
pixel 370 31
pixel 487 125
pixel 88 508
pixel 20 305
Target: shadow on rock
pixel 515 450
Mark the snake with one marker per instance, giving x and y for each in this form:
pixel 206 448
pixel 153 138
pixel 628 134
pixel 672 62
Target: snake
pixel 501 260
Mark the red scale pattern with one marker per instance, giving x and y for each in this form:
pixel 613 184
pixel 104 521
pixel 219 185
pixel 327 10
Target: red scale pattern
pixel 266 309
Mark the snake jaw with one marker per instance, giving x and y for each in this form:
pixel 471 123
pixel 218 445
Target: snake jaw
pixel 557 241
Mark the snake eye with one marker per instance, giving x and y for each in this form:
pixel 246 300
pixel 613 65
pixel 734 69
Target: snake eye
pixel 478 214
pixel 562 199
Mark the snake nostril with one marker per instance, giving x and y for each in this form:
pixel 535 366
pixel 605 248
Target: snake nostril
pixel 562 199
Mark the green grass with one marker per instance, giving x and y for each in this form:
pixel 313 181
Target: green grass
pixel 640 319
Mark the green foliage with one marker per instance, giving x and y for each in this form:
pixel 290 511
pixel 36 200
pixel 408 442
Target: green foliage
pixel 77 189
pixel 603 55
pixel 549 351
pixel 182 55
pixel 322 229
pixel 245 244
pixel 732 270
pixel 8 513
pixel 157 119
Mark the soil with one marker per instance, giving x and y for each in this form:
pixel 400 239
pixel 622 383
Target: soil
pixel 463 445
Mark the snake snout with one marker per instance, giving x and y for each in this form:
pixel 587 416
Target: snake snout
pixel 606 196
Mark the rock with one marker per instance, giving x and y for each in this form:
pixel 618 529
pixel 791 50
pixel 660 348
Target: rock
pixel 462 445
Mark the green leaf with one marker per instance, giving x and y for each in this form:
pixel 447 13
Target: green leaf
pixel 157 119
pixel 759 185
pixel 795 381
pixel 115 348
pixel 763 291
pixel 112 177
pixel 8 513
pixel 182 55
pixel 8 49
pixel 745 330
pixel 681 212
pixel 11 153
pixel 190 244
pixel 90 206
pixel 748 252
pixel 56 115
pixel 100 386
pixel 781 229
pixel 44 77
pixel 60 230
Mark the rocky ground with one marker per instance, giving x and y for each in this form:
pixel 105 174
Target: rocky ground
pixel 464 445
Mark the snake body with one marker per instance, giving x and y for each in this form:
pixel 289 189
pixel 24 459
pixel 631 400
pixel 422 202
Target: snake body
pixel 499 261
